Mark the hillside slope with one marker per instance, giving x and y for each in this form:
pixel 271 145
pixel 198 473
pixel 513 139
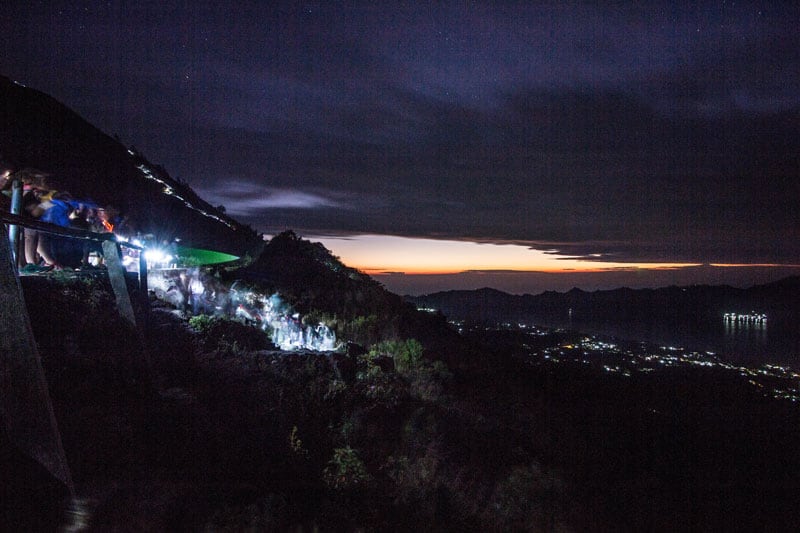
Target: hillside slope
pixel 317 285
pixel 221 432
pixel 36 131
pixel 232 435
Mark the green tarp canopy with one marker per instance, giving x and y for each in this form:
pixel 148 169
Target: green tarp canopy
pixel 199 256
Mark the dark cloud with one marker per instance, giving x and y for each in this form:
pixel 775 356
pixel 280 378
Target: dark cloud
pixel 662 132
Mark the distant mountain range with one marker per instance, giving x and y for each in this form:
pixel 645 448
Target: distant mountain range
pixel 37 131
pixel 698 304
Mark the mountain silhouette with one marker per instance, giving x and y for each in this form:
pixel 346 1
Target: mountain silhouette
pixel 779 298
pixel 682 314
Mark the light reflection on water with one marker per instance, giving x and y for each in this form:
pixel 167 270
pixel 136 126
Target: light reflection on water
pixel 745 332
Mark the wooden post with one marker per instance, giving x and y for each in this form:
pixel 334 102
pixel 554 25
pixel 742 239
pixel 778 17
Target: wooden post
pixel 116 274
pixel 25 404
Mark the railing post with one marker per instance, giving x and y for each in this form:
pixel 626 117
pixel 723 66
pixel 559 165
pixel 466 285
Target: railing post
pixel 142 272
pixel 16 207
pixel 116 275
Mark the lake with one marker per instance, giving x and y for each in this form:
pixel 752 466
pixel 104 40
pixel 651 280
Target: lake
pixel 773 342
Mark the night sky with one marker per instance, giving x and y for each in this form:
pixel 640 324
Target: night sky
pixel 652 132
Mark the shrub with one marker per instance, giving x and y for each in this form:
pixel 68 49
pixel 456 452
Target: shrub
pixel 528 499
pixel 376 381
pixel 413 480
pixel 201 323
pixel 345 470
pixel 296 444
pixel 407 354
pixel 228 336
pixel 410 356
pixel 361 329
pixel 335 388
pixel 427 382
pixel 350 426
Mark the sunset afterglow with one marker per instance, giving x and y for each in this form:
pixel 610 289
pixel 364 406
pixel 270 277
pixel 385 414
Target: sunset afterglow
pixel 375 254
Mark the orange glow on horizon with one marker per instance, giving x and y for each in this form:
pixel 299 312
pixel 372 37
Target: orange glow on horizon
pixel 628 267
pixel 380 254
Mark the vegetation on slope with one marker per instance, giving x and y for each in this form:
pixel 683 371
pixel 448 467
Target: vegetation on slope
pixel 221 432
pixel 247 437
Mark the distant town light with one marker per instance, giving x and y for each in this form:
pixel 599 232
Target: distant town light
pixel 747 318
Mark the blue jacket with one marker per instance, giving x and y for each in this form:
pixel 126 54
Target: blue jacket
pixel 58 214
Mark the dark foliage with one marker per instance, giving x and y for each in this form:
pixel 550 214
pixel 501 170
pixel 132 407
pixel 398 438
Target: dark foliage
pixel 233 438
pixel 219 334
pixel 244 438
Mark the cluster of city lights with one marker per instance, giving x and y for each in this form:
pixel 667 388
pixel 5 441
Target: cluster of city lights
pixel 777 381
pixel 649 360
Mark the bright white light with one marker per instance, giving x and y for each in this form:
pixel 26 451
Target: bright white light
pixel 156 256
pixel 202 293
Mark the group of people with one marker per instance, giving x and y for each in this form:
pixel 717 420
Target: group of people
pixel 44 200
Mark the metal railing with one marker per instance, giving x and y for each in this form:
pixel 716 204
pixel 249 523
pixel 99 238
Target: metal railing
pixel 74 233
